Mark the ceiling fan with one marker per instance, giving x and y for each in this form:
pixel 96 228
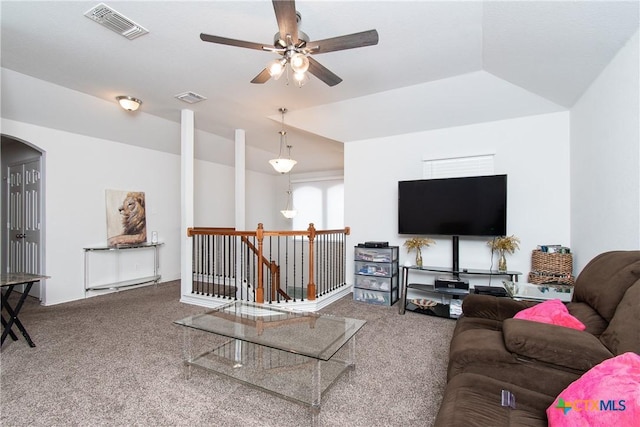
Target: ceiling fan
pixel 295 48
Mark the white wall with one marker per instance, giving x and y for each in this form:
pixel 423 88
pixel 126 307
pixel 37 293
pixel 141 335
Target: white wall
pixel 263 201
pixel 532 151
pixel 78 171
pixel 213 194
pixel 605 160
pixel 80 168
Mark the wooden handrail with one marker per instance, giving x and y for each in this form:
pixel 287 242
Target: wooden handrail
pixel 274 269
pixel 346 231
pixel 230 231
pixel 217 231
pixel 255 250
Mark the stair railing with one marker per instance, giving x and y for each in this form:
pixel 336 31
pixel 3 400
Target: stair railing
pixel 232 264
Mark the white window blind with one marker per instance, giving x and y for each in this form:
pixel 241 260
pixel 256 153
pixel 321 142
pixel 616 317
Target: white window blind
pixel 455 167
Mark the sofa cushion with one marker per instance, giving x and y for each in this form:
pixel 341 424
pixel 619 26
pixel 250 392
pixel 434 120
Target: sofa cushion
pixel 606 395
pixel 474 400
pixel 491 307
pixel 552 311
pixel 465 323
pixel 482 347
pixel 594 323
pixel 604 280
pixel 555 345
pixel 483 351
pixel 623 333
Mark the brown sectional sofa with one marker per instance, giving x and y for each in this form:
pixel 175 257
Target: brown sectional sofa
pixel 491 351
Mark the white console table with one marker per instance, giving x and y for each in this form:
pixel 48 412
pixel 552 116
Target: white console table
pixel 154 278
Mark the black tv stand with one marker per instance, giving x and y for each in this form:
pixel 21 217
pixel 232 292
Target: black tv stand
pixel 429 288
pixel 455 265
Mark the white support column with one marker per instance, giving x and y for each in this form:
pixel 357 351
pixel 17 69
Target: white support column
pixel 240 180
pixel 240 183
pixel 187 132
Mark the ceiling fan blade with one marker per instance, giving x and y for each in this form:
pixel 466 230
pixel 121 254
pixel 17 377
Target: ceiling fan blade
pixel 322 72
pixel 287 21
pixel 263 77
pixel 230 42
pixel 350 41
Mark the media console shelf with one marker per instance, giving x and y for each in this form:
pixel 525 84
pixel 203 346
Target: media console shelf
pixel 513 275
pixel 154 278
pixel 449 296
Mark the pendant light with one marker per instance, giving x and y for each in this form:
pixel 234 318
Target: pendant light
pixel 289 212
pixel 283 164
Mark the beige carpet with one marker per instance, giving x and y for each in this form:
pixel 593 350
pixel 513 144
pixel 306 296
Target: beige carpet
pixel 116 360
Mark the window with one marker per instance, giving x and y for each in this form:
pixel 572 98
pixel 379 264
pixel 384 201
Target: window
pixel 455 167
pixel 320 202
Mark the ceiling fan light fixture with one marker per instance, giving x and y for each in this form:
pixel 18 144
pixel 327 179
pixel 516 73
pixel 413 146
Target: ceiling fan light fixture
pixel 299 63
pixel 129 103
pixel 276 68
pixel 301 79
pixel 294 46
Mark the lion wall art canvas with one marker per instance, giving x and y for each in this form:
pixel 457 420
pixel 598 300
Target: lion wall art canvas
pixel 126 217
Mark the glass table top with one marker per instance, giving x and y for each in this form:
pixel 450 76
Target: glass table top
pixel 539 292
pixel 310 334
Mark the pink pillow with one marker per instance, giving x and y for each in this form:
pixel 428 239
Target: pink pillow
pixel 552 311
pixel 606 395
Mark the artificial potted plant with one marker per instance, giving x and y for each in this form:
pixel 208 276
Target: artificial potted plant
pixel 418 243
pixel 504 244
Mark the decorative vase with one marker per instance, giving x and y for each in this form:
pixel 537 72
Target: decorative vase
pixel 418 257
pixel 502 262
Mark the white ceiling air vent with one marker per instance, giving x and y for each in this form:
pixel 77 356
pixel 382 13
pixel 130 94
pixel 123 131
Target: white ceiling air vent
pixel 190 97
pixel 107 17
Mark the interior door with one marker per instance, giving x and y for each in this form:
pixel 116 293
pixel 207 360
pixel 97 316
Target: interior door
pixel 24 181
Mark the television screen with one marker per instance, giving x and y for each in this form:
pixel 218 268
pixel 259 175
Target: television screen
pixel 469 206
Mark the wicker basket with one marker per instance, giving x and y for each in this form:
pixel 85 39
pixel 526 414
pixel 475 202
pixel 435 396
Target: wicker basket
pixel 554 263
pixel 552 267
pixel 540 279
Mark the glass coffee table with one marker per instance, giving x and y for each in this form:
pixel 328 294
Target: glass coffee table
pixel 295 355
pixel 538 292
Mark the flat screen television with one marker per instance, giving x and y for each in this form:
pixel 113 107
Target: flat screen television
pixel 468 206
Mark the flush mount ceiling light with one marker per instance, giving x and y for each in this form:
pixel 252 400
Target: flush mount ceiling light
pixel 283 164
pixel 129 103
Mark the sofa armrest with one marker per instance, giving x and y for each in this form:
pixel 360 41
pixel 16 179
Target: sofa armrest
pixel 556 345
pixel 491 307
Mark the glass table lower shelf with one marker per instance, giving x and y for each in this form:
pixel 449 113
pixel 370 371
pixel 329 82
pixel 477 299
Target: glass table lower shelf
pixel 294 355
pixel 287 375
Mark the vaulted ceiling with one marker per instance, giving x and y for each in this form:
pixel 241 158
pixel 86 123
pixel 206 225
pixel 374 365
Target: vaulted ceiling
pixel 437 64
